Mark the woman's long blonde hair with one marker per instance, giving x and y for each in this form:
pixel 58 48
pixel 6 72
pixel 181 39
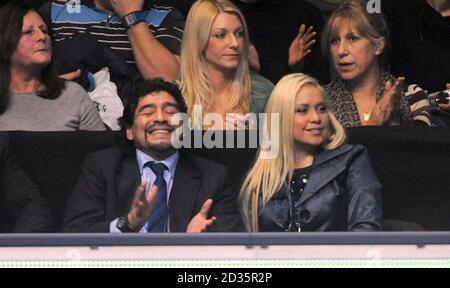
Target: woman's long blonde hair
pixel 267 176
pixel 196 85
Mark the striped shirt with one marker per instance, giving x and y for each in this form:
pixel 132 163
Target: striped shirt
pixel 72 17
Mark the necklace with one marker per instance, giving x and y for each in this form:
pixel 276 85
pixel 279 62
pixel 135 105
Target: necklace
pixel 366 116
pixel 364 106
pixel 365 113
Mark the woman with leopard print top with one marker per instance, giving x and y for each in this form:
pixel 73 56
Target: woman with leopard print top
pixel 363 94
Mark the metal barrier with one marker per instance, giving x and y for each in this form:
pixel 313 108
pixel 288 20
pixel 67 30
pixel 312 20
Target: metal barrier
pixel 230 250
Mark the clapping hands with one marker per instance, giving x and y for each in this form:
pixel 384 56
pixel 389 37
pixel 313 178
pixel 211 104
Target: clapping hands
pixel 382 111
pixel 141 206
pixel 200 222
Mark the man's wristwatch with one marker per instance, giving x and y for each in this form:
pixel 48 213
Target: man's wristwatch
pixel 124 225
pixel 133 18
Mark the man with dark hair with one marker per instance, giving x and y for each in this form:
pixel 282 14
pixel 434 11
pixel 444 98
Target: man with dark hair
pixel 22 208
pixel 107 46
pixel 175 192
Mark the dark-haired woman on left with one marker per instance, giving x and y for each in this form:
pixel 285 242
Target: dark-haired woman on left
pixel 32 97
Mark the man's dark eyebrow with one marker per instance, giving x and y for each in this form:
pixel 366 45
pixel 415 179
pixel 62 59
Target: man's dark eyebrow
pixel 170 104
pixel 151 105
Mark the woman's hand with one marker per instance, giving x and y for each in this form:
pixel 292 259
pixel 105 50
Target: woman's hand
pixel 381 112
pixel 253 58
pixel 300 46
pixel 237 121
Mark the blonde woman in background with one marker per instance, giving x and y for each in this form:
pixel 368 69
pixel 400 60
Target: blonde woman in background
pixel 215 76
pixel 363 93
pixel 317 182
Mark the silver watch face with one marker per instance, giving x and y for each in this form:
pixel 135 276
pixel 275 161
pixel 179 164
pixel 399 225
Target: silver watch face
pixel 122 222
pixel 130 19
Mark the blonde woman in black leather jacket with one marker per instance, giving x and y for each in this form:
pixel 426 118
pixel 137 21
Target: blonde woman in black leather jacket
pixel 316 182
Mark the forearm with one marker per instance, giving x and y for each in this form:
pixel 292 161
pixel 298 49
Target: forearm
pixel 32 214
pixel 86 205
pixel 86 227
pixel 297 68
pixel 23 201
pixel 152 58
